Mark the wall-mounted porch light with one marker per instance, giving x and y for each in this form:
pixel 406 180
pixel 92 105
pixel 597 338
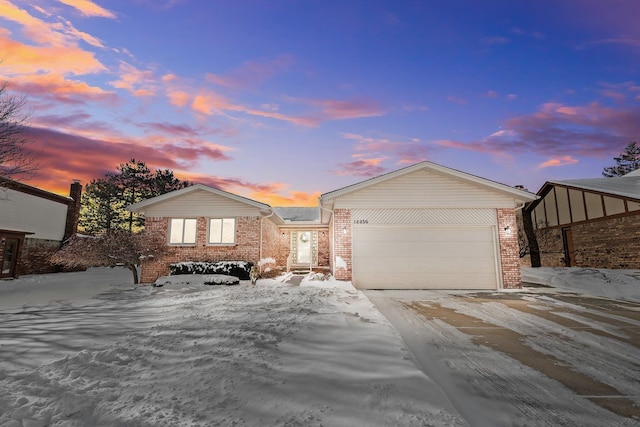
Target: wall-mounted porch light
pixel 507 229
pixel 344 230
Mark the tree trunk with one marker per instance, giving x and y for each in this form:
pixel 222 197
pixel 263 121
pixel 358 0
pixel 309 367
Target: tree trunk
pixel 133 270
pixel 534 249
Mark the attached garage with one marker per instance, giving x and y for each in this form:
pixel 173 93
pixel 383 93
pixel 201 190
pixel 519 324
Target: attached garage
pixel 426 227
pixel 424 257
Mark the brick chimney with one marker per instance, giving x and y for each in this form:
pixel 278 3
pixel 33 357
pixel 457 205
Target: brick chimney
pixel 73 211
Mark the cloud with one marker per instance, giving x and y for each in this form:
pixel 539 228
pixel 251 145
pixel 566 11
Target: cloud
pixel 404 152
pixel 137 82
pixel 252 73
pixel 178 98
pixel 18 58
pixel 361 167
pixel 89 8
pixel 624 41
pixel 347 109
pixel 491 94
pixel 560 161
pixel 59 34
pixel 620 91
pixel 75 156
pixel 56 88
pixel 457 100
pixel 171 129
pixel 274 194
pixel 208 102
pixel 559 130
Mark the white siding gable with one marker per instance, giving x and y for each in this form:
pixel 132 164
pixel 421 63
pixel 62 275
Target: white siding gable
pixel 425 189
pixel 200 203
pixel 25 212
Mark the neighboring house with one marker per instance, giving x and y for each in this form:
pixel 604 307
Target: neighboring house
pixel 422 227
pixel 32 219
pixel 589 222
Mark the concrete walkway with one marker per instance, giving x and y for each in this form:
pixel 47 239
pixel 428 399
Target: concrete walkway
pixel 295 280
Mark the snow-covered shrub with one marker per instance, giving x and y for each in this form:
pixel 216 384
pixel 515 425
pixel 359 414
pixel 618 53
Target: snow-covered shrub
pixel 239 269
pixel 319 276
pixel 116 248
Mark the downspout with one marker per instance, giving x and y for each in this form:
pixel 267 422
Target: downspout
pixel 261 218
pixel 333 238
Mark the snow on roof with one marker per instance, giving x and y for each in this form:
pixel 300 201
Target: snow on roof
pixel 625 186
pixel 298 213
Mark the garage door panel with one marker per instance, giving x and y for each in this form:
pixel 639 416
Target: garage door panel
pixel 424 257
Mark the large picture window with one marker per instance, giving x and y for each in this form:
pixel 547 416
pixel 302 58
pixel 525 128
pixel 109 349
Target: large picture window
pixel 183 231
pixel 222 231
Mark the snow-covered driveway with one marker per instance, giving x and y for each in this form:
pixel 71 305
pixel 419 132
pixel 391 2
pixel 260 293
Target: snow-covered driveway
pixel 81 352
pixel 527 358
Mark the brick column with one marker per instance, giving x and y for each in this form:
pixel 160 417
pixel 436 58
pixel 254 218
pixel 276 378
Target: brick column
pixel 73 209
pixel 509 249
pixel 342 244
pixel 152 269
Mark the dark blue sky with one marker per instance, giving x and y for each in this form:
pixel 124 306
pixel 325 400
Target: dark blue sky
pixel 283 100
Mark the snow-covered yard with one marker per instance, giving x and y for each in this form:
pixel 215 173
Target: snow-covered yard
pixel 92 349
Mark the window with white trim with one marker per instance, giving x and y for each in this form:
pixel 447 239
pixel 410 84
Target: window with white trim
pixel 222 231
pixel 182 231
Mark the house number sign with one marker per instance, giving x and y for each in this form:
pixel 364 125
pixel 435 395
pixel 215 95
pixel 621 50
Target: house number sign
pixel 361 221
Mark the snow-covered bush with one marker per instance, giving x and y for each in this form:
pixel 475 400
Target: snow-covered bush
pixel 319 276
pixel 118 247
pixel 239 269
pixel 197 279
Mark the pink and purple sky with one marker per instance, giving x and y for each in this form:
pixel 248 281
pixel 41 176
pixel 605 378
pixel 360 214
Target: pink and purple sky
pixel 283 100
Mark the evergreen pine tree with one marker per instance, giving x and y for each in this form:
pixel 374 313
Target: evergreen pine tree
pixel 104 200
pixel 628 161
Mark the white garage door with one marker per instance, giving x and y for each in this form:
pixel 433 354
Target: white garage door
pixel 424 257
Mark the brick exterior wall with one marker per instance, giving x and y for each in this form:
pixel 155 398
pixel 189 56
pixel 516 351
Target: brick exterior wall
pixel 73 211
pixel 342 244
pixel 551 247
pixel 270 241
pixel 247 247
pixel 606 243
pixel 509 253
pixel 284 247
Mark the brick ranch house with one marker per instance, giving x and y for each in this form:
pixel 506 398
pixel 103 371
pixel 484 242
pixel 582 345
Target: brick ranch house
pixel 425 226
pixel 588 222
pixel 33 223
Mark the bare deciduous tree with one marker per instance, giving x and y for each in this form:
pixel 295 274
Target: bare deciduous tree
pixel 117 248
pixel 16 161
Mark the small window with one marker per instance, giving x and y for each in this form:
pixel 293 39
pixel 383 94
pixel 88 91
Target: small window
pixel 183 231
pixel 222 231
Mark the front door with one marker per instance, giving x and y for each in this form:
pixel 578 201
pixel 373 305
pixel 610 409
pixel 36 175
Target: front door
pixel 10 257
pixel 304 247
pixel 569 251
